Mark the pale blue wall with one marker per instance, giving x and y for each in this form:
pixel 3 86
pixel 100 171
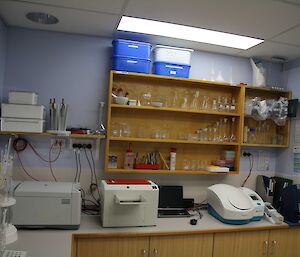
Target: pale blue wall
pixel 76 67
pixel 292 80
pixel 3 37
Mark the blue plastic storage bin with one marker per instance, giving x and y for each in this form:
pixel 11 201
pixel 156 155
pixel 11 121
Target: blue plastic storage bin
pixel 131 49
pixel 171 69
pixel 125 63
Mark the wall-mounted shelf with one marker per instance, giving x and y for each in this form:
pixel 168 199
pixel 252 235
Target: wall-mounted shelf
pixel 169 172
pixel 173 141
pixel 45 134
pixel 168 109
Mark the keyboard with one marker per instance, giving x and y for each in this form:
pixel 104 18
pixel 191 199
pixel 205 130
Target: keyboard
pixel 173 213
pixel 13 253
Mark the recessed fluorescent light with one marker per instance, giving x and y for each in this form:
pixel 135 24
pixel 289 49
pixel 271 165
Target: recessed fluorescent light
pixel 166 29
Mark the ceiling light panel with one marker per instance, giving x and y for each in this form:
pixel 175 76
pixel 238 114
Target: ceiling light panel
pixel 187 33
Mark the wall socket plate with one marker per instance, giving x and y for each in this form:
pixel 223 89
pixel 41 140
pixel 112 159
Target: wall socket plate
pixel 58 143
pixel 82 141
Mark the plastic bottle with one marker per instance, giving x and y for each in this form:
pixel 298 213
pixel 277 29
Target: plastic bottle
pixel 173 159
pixel 128 158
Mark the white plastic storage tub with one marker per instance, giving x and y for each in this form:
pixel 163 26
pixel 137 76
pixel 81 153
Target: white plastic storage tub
pixel 23 111
pixel 174 55
pixel 22 125
pixel 22 97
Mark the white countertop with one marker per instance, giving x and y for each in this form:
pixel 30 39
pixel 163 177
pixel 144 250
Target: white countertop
pixel 54 243
pixel 91 224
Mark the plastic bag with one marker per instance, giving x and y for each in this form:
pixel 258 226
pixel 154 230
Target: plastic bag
pixel 280 111
pixel 258 74
pixel 261 109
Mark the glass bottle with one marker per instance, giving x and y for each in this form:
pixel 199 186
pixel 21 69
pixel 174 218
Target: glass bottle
pixel 232 137
pixel 100 129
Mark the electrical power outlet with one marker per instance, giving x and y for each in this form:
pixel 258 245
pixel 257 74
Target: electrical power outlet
pixel 74 143
pixel 58 143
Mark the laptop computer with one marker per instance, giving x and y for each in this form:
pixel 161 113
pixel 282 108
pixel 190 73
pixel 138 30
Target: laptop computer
pixel 171 202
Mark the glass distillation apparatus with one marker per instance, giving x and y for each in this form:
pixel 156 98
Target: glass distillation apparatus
pixel 8 232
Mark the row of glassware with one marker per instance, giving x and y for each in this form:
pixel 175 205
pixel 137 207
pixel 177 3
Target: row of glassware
pixel 222 130
pixel 195 101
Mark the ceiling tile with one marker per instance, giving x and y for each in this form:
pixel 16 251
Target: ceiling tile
pixel 109 6
pixel 261 19
pixel 291 37
pixel 70 21
pixel 267 50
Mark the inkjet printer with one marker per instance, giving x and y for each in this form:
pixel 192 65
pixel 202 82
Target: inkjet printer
pixel 234 205
pixel 128 202
pixel 47 205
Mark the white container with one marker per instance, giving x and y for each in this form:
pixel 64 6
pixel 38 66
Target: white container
pixel 22 125
pixel 23 111
pixel 172 55
pixel 22 97
pixel 173 159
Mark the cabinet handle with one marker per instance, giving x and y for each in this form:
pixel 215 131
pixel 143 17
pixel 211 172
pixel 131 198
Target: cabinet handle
pixel 155 252
pixel 144 251
pixel 265 252
pixel 274 246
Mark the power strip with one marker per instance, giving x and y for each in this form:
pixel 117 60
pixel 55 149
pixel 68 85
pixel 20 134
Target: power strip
pixel 13 253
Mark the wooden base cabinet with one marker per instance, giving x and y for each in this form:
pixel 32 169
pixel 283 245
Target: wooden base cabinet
pixel 153 246
pixel 241 244
pixel 273 243
pixel 181 246
pixel 112 247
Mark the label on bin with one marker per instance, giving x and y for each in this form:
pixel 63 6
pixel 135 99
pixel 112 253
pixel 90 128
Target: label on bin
pixel 133 46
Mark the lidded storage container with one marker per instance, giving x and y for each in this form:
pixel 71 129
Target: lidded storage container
pixel 131 56
pixel 172 61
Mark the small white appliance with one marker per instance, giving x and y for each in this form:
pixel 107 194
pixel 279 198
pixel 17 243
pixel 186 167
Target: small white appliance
pixel 258 203
pixel 272 215
pixel 230 204
pixel 128 202
pixel 22 97
pixel 47 205
pixel 23 111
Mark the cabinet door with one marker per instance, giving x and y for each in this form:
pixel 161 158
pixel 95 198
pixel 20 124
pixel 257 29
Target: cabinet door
pixel 241 244
pixel 181 246
pixel 113 247
pixel 284 243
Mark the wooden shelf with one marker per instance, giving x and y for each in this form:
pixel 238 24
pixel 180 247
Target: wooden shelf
pixel 267 89
pixel 168 172
pixel 186 81
pixel 167 109
pixel 175 141
pixel 45 134
pixel 264 145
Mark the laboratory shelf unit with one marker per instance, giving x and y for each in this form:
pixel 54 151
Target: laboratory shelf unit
pixel 266 133
pixel 189 120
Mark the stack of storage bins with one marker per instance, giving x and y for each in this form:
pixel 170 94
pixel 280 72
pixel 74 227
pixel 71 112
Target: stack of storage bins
pixel 22 114
pixel 131 56
pixel 172 61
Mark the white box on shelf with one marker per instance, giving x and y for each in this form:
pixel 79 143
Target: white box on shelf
pixel 22 97
pixel 22 125
pixel 23 111
pixel 172 55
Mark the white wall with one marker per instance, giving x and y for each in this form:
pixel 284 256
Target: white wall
pixel 3 38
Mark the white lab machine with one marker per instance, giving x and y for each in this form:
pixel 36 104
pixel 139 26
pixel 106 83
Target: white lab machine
pixel 128 202
pixel 258 203
pixel 232 205
pixel 272 215
pixel 47 205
